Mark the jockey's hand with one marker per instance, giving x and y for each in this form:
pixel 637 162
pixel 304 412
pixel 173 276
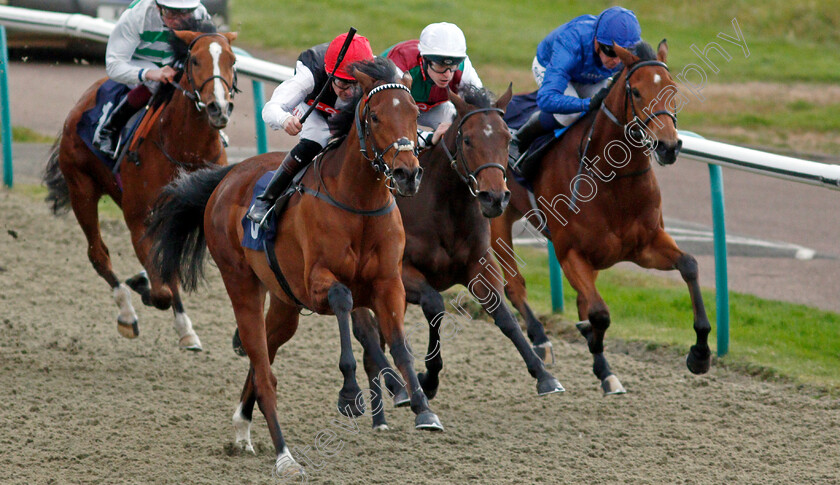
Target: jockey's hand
pixel 292 125
pixel 165 74
pixel 440 131
pixel 598 98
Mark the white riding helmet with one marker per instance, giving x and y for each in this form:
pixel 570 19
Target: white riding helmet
pixel 443 40
pixel 179 4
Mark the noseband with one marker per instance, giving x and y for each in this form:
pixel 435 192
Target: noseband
pixel 194 95
pixel 635 132
pixel 469 177
pixel 402 144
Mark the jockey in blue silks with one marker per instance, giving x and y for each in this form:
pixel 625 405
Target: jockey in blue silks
pixel 572 67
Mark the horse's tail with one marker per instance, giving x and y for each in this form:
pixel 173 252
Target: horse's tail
pixel 58 195
pixel 176 226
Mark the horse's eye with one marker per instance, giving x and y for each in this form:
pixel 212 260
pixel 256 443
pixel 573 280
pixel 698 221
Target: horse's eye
pixel 194 61
pixel 374 118
pixel 467 141
pixel 636 93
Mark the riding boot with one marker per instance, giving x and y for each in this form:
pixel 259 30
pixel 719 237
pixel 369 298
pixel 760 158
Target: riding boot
pixel 297 158
pixel 525 135
pixel 109 134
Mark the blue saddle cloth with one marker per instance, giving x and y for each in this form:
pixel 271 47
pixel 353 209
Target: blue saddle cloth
pixel 108 97
pixel 253 235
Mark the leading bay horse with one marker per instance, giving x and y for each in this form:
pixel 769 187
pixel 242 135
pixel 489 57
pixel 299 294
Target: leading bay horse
pixel 448 240
pixel 339 246
pixel 184 137
pixel 599 202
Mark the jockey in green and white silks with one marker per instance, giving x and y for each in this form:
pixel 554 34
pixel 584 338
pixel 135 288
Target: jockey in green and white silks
pixel 138 54
pixel 436 61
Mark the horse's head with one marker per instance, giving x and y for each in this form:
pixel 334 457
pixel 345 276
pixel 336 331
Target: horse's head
pixel 387 123
pixel 648 101
pixel 209 77
pixel 481 142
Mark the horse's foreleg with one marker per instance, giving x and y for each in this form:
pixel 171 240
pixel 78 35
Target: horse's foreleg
pixel 389 307
pixel 419 292
pixel 281 322
pixel 502 243
pixel 664 254
pixel 84 199
pixel 594 315
pixel 487 289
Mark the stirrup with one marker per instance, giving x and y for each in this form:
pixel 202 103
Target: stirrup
pixel 261 222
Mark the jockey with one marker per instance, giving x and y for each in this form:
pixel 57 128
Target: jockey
pixel 572 67
pixel 437 62
pixel 292 99
pixel 138 55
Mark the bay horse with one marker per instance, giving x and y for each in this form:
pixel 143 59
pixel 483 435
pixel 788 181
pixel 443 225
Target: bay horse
pixel 184 137
pixel 336 250
pixel 448 239
pixel 597 214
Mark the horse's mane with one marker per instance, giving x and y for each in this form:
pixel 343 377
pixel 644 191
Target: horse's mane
pixel 380 69
pixel 478 97
pixel 179 48
pixel 644 51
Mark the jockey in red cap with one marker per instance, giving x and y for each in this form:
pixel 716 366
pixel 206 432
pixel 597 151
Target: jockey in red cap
pixel 293 98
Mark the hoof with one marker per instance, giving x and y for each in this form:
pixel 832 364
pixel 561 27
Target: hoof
pixel 349 407
pixel 549 386
pixel 429 384
pixel 428 421
pixel 246 446
pixel 381 427
pixel 401 398
pixel 611 385
pixel 128 330
pixel 286 467
pixel 190 342
pixel 139 283
pixel 698 361
pixel 585 328
pixel 238 349
pixel 545 352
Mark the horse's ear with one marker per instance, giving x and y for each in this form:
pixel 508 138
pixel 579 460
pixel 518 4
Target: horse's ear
pixel 503 101
pixel 627 57
pixel 459 103
pixel 186 36
pixel 231 36
pixel 364 80
pixel 407 79
pixel 662 51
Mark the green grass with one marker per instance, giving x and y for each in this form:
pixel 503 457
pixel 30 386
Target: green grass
pixel 108 209
pixel 788 41
pixel 767 337
pixel 26 135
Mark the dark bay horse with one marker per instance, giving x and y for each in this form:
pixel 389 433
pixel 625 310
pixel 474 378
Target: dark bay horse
pixel 184 137
pixel 338 250
pixel 448 239
pixel 599 202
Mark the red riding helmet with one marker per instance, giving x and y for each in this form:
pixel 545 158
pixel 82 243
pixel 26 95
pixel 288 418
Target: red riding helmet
pixel 358 50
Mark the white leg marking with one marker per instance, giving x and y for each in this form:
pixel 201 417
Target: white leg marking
pixel 218 87
pixel 183 327
pixel 122 295
pixel 242 427
pixel 286 466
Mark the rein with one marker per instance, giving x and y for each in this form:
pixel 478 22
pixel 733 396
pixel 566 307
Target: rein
pixel 194 95
pixel 469 177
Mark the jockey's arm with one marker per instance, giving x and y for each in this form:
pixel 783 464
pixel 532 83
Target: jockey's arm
pixel 277 112
pixel 121 46
pixel 469 75
pixel 551 97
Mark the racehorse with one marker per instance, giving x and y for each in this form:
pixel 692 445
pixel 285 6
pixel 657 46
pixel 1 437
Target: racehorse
pixel 599 202
pixel 339 245
pixel 448 239
pixel 185 136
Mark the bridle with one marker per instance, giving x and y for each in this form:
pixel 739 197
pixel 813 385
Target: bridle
pixel 402 144
pixel 469 177
pixel 193 94
pixel 636 132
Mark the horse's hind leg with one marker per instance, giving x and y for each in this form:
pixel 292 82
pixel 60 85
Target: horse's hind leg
pixel 84 197
pixel 594 315
pixel 281 323
pixel 515 284
pixel 664 254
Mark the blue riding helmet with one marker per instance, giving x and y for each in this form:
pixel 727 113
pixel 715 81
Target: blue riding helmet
pixel 619 25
